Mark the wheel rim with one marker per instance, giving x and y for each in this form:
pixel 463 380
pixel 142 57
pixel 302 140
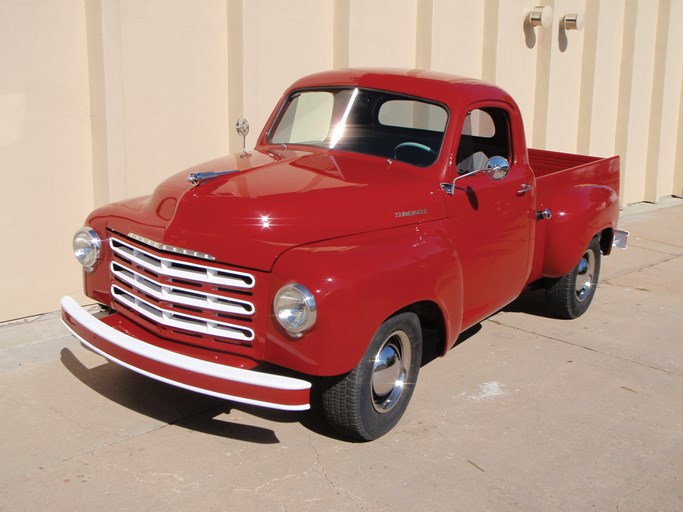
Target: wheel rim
pixel 390 371
pixel 585 272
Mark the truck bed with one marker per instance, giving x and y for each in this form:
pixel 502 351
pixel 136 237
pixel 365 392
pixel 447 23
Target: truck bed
pixel 555 170
pixel 581 193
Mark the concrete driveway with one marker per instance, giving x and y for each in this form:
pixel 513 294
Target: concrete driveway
pixel 527 413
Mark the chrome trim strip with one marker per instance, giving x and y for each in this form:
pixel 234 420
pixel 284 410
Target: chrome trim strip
pixel 181 269
pixel 180 295
pixel 197 178
pixel 190 364
pixel 171 248
pixel 183 321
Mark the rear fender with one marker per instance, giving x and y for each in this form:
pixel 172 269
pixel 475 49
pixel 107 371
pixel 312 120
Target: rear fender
pixel 579 214
pixel 358 282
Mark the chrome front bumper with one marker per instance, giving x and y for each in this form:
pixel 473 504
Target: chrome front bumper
pixel 236 384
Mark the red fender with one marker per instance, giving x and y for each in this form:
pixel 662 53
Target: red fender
pixel 579 214
pixel 358 282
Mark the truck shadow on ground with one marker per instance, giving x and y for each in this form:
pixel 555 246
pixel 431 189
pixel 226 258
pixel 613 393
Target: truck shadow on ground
pixel 186 409
pixel 532 302
pixel 201 413
pixel 209 415
pixel 166 403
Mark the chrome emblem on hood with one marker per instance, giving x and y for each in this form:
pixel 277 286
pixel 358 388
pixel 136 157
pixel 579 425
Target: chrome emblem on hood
pixel 170 248
pixel 197 178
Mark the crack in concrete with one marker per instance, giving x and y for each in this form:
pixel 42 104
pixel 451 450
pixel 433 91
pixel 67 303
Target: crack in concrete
pixel 636 243
pixel 174 482
pixel 633 492
pixel 359 502
pixel 637 270
pixel 261 487
pixel 319 463
pixel 608 354
pixel 91 451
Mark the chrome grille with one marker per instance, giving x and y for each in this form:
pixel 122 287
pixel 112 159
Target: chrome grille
pixel 174 268
pixel 181 320
pixel 178 295
pixel 181 295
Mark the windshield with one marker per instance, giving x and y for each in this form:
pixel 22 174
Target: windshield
pixel 363 121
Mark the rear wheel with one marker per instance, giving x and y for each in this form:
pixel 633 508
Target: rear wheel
pixel 370 400
pixel 569 296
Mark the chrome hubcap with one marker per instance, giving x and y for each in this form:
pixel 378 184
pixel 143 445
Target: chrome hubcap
pixel 584 276
pixel 390 371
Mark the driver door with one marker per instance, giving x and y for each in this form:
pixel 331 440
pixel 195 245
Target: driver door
pixel 491 221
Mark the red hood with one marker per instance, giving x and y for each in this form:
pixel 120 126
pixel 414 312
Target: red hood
pixel 276 201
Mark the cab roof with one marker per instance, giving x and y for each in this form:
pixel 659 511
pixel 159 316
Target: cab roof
pixel 442 87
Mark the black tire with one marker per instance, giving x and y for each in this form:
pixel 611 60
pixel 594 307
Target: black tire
pixel 569 296
pixel 370 400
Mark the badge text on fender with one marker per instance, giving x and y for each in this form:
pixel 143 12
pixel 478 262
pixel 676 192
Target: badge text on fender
pixel 412 213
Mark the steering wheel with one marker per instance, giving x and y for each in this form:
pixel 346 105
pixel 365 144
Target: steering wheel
pixel 415 145
pixel 415 153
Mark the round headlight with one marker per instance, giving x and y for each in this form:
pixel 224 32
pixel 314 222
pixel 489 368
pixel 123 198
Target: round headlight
pixel 295 309
pixel 87 247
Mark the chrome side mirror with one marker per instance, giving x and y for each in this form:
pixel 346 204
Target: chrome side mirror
pixel 497 168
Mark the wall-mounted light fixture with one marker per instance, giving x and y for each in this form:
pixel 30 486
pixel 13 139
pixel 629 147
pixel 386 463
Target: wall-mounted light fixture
pixel 540 16
pixel 573 21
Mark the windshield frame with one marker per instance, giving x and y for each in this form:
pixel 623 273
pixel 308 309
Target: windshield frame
pixel 359 129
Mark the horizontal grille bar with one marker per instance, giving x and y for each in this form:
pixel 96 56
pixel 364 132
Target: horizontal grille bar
pixel 165 266
pixel 194 298
pixel 178 295
pixel 181 320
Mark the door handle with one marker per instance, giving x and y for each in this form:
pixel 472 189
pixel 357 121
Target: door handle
pixel 523 190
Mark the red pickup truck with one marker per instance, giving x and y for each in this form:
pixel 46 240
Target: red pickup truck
pixel 380 214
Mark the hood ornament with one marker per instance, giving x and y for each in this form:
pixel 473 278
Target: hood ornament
pixel 197 178
pixel 242 127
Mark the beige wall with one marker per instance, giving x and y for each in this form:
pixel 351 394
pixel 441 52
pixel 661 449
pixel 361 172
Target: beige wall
pixel 102 99
pixel 45 151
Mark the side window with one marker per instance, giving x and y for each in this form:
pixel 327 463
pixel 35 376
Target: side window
pixel 415 129
pixel 478 123
pixel 485 133
pixel 413 114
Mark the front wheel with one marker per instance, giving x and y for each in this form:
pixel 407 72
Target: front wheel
pixel 370 400
pixel 569 296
